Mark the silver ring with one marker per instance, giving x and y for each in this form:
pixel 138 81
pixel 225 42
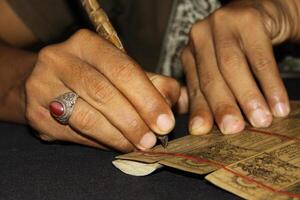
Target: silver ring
pixel 62 106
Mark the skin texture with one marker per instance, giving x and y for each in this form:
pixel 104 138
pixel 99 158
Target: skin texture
pixel 9 23
pixel 227 53
pixel 121 106
pixel 28 77
pixel 118 106
pixel 13 74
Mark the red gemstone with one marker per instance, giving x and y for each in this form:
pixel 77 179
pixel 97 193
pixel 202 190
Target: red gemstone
pixel 56 109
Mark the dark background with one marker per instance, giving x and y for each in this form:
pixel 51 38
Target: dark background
pixel 30 169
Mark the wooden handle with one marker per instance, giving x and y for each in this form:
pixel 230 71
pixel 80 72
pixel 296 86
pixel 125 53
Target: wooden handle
pixel 101 22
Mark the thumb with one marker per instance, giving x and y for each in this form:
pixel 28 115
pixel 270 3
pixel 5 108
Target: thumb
pixel 168 87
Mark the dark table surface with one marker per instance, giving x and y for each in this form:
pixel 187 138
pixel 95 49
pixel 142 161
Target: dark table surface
pixel 30 169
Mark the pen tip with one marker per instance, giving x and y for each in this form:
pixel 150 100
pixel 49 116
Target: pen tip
pixel 164 140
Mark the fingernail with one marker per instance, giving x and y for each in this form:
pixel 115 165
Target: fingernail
pixel 260 118
pixel 231 124
pixel 281 110
pixel 148 141
pixel 165 123
pixel 197 126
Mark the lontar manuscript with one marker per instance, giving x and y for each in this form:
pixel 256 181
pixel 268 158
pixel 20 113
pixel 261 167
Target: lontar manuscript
pixel 255 164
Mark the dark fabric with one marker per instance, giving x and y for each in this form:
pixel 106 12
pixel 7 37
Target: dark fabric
pixel 48 20
pixel 140 24
pixel 30 169
pixel 142 29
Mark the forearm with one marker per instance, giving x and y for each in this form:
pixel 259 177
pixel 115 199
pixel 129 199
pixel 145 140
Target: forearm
pixel 15 67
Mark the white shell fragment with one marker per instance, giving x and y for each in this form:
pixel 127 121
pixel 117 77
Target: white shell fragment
pixel 136 168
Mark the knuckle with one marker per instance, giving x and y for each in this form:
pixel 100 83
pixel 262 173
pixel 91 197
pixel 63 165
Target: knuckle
pixel 250 15
pixel 80 39
pixel 82 34
pixel 153 106
pixel 207 81
pixel 262 64
pixel 225 45
pixel 85 120
pixel 101 91
pixel 126 71
pixel 198 31
pixel 134 124
pixel 220 16
pixel 230 63
pixel 194 92
pixel 48 54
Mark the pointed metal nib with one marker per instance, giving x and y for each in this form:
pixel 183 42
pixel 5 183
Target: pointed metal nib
pixel 163 140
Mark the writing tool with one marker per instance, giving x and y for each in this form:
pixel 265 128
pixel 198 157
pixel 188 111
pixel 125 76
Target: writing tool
pixel 105 29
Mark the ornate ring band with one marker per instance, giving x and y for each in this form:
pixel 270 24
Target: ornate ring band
pixel 61 107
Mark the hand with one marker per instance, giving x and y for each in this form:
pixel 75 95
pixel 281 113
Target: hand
pixel 119 107
pixel 226 54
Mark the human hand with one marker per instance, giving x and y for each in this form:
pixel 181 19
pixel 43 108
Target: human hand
pixel 226 53
pixel 118 106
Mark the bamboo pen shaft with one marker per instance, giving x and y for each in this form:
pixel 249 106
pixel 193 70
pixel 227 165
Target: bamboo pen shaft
pixel 101 22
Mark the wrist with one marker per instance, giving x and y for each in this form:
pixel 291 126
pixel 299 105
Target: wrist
pixel 13 105
pixel 16 66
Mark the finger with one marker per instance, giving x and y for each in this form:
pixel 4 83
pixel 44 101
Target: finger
pixel 235 70
pixel 88 121
pixel 215 89
pixel 97 91
pixel 182 105
pixel 168 87
pixel 201 120
pixel 171 91
pixel 129 78
pixel 50 130
pixel 259 51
